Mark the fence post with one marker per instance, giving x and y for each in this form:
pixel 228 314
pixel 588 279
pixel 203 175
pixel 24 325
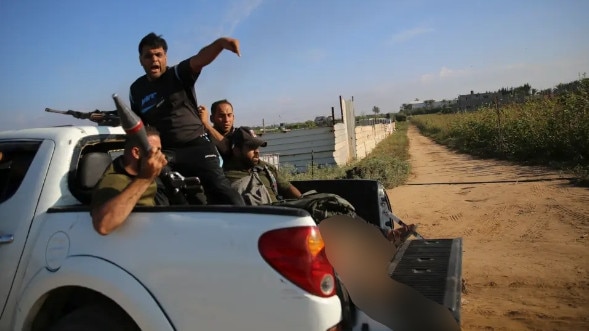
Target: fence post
pixel 333 117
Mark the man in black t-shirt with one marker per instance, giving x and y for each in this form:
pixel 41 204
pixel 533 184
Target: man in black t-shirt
pixel 166 99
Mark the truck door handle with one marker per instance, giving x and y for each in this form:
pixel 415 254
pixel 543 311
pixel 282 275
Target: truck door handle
pixel 6 238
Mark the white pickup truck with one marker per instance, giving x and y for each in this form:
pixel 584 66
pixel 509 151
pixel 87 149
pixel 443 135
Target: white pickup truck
pixel 168 267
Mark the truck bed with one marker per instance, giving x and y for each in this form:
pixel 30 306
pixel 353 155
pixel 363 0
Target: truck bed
pixel 360 193
pixel 433 267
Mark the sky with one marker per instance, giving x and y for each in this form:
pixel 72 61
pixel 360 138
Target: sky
pixel 297 56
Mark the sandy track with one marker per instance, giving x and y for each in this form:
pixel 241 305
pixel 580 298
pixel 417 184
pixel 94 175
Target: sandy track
pixel 525 232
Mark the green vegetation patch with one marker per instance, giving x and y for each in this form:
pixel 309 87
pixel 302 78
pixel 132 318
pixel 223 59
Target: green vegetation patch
pixel 550 130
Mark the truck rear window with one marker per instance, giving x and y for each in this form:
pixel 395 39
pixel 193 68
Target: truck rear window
pixel 15 160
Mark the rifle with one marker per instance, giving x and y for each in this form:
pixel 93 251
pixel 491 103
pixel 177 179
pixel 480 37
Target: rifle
pixel 401 223
pixel 394 218
pixel 103 118
pixel 180 190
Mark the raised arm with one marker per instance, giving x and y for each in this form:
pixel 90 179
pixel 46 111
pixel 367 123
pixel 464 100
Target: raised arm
pixel 221 141
pixel 210 52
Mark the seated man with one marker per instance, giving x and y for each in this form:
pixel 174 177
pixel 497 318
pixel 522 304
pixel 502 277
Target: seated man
pixel 128 181
pixel 259 183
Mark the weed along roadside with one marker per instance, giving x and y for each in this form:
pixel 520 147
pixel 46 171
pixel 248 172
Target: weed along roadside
pixel 547 130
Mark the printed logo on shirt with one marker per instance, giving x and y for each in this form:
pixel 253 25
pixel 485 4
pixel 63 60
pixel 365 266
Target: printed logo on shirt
pixel 148 98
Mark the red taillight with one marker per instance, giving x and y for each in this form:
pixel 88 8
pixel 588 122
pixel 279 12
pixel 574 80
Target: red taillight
pixel 298 254
pixel 337 327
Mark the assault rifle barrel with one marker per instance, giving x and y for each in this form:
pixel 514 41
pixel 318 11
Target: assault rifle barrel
pixel 98 116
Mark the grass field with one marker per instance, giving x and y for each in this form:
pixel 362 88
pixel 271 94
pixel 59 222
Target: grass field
pixel 547 130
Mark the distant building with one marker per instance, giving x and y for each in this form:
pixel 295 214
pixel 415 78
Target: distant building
pixel 416 105
pixel 428 104
pixel 473 100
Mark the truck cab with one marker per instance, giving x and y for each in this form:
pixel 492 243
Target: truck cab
pixel 176 267
pixel 166 268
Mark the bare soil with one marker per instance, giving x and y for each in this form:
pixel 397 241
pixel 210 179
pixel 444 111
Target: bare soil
pixel 525 236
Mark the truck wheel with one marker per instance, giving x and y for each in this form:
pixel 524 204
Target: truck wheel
pixel 95 318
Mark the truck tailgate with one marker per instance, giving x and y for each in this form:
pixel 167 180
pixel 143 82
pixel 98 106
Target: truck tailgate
pixel 433 267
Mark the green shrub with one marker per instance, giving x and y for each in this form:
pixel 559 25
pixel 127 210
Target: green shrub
pixel 400 117
pixel 387 169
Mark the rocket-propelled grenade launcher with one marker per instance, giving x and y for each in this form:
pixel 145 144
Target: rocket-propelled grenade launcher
pixel 132 124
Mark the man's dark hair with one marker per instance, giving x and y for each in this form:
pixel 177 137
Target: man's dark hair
pixel 153 41
pixel 151 131
pixel 131 142
pixel 217 104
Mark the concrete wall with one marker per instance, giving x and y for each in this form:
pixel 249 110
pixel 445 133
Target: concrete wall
pixel 337 145
pixel 321 146
pixel 367 137
pixel 341 153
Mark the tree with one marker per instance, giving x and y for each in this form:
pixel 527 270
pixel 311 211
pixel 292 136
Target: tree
pixel 375 110
pixel 406 108
pixel 429 103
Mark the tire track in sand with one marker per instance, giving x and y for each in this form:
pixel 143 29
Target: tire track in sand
pixel 526 249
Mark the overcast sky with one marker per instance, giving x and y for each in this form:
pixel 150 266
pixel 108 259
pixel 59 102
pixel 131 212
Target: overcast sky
pixel 298 56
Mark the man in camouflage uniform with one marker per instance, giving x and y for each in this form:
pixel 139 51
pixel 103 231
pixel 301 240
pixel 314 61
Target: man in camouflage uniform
pixel 257 181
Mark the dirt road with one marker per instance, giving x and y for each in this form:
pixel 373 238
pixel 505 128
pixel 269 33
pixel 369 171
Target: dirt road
pixel 525 232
